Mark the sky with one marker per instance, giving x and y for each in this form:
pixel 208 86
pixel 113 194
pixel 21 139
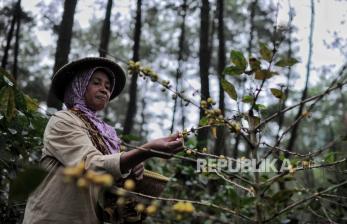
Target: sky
pixel 330 16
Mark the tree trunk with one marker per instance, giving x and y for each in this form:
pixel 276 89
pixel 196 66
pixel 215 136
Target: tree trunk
pixel 16 46
pixel 294 131
pixel 252 6
pixel 63 46
pixel 143 131
pixel 179 59
pixel 204 65
pixel 220 141
pixel 9 36
pixel 282 184
pixel 131 112
pixel 105 32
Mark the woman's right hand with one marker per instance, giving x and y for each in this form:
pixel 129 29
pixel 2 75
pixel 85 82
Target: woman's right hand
pixel 162 147
pixel 170 145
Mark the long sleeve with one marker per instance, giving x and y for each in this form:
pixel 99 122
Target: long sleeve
pixel 67 139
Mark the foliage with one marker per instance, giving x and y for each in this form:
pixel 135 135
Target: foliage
pixel 21 127
pixel 257 196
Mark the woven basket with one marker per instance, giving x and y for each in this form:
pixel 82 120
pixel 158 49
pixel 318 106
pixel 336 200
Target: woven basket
pixel 152 184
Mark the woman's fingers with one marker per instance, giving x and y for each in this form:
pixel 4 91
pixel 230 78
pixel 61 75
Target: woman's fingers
pixel 138 167
pixel 138 171
pixel 174 144
pixel 179 149
pixel 138 175
pixel 173 137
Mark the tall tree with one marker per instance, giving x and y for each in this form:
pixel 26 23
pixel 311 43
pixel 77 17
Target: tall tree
pixel 180 59
pixel 289 73
pixel 106 30
pixel 16 45
pixel 252 6
pixel 298 116
pixel 281 184
pixel 143 131
pixel 220 141
pixel 131 112
pixel 204 64
pixel 63 46
pixel 10 34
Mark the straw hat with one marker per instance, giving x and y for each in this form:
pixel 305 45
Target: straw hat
pixel 65 74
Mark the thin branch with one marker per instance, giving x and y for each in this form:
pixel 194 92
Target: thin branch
pixel 334 196
pixel 114 191
pixel 298 104
pixel 327 216
pixel 316 214
pixel 290 207
pixel 334 202
pixel 235 184
pixel 310 154
pixel 274 178
pixel 159 152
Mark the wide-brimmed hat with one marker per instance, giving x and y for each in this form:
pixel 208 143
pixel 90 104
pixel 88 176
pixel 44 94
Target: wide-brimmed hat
pixel 65 74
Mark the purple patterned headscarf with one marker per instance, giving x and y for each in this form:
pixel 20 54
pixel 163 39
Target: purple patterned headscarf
pixel 74 98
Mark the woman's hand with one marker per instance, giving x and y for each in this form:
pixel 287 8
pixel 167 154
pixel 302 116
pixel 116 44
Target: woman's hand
pixel 137 171
pixel 170 145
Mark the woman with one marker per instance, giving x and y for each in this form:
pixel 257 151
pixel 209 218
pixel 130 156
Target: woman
pixel 77 134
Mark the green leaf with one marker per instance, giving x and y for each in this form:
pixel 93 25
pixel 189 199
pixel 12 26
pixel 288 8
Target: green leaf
pixel 283 195
pixel 259 107
pixel 6 77
pixel 38 122
pixel 273 73
pixel 246 201
pixel 130 137
pixel 262 74
pixel 282 156
pixel 247 99
pixel 31 104
pixel 254 121
pixel 254 63
pixel 265 52
pixel 20 101
pixel 277 93
pixel 287 178
pixel 286 62
pixel 7 102
pixel 238 60
pixel 295 162
pixel 191 143
pixel 26 182
pixel 233 196
pixel 229 89
pixel 203 121
pixel 232 70
pixel 330 157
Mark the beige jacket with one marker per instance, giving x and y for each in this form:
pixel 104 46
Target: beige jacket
pixel 66 143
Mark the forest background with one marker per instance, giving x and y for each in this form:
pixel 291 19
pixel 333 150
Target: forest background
pixel 239 79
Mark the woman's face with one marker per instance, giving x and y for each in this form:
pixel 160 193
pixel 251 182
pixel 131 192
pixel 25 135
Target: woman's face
pixel 98 91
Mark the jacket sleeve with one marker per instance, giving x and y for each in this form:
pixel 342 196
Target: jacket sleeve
pixel 67 139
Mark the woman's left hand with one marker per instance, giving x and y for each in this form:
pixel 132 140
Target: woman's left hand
pixel 137 171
